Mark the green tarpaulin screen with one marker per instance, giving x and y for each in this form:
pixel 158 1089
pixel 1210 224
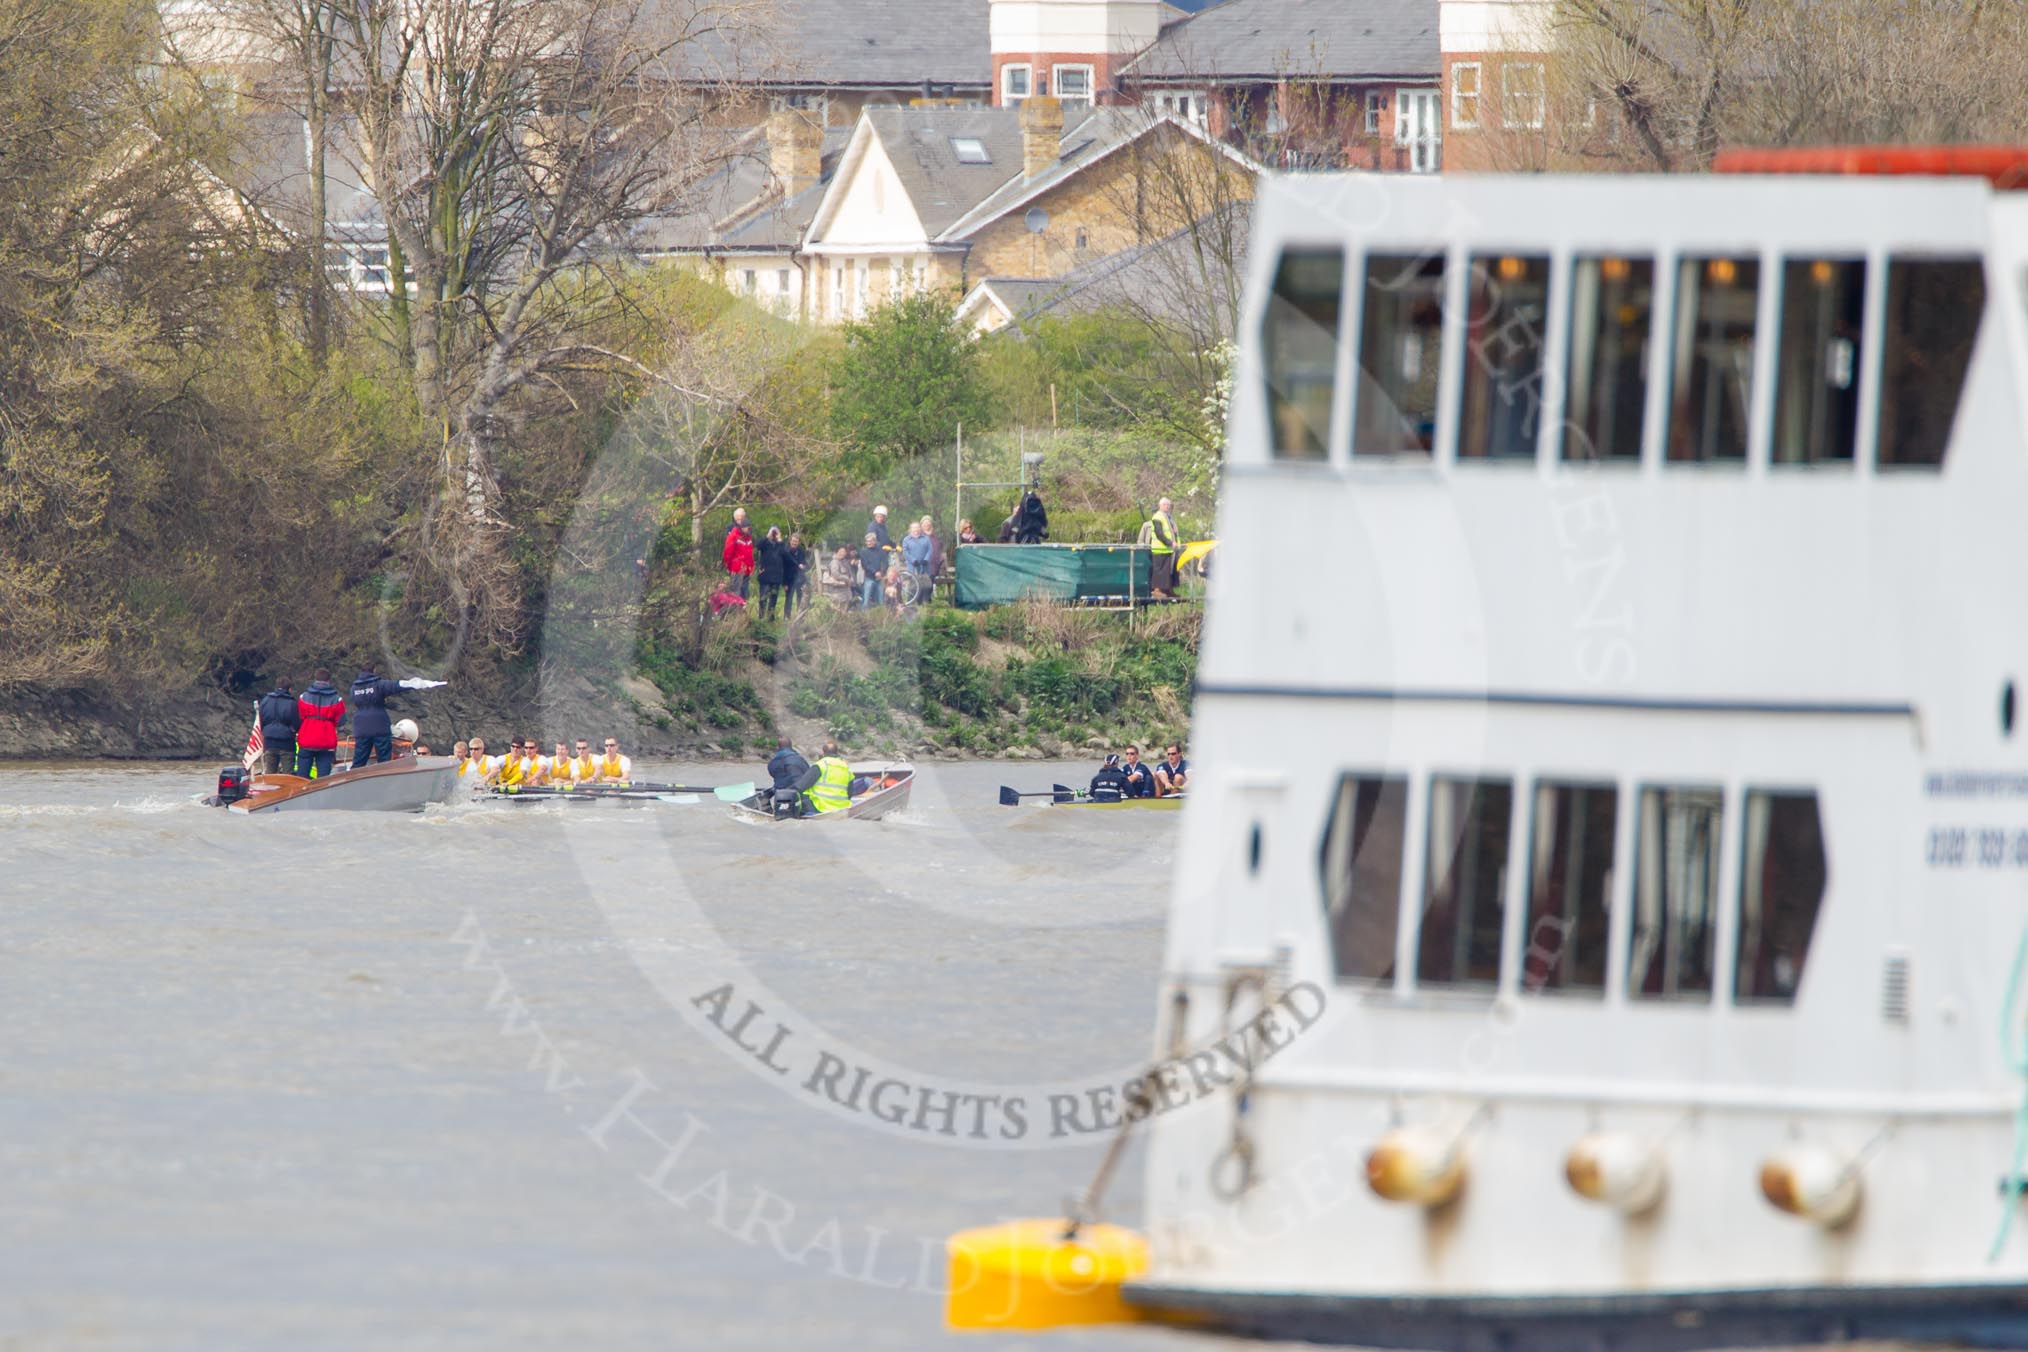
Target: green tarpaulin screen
pixel 995 575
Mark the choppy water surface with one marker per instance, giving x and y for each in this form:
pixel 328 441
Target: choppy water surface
pixel 338 1080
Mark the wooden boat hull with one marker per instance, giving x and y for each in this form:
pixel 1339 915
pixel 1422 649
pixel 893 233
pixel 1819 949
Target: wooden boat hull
pixel 867 807
pixel 405 785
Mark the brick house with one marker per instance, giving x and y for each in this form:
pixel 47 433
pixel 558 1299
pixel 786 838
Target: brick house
pixel 1496 80
pixel 942 197
pixel 1300 84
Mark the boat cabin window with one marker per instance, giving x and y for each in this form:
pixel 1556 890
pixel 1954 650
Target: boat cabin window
pixel 1711 359
pixel 1612 306
pixel 1673 936
pixel 1505 317
pixel 1817 387
pixel 1780 889
pixel 1570 887
pixel 1464 894
pixel 1400 346
pixel 1933 312
pixel 1364 846
pixel 1301 343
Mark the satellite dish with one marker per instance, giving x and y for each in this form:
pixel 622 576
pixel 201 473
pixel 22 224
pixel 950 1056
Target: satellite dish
pixel 1037 220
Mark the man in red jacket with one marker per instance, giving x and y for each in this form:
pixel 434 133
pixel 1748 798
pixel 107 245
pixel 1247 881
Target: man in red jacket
pixel 739 553
pixel 322 708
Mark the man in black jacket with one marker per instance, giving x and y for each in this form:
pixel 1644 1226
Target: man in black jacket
pixel 372 731
pixel 1109 785
pixel 772 566
pixel 279 719
pixel 1031 526
pixel 791 774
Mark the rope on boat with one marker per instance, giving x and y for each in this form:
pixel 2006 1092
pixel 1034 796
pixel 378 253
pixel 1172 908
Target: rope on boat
pixel 1084 1209
pixel 2014 1048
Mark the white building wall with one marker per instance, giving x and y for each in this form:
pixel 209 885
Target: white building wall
pixel 874 208
pixel 1494 25
pixel 1115 27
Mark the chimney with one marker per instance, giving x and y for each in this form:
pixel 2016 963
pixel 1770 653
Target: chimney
pixel 795 151
pixel 1041 134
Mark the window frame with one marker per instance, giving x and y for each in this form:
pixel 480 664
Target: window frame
pixel 1755 411
pixel 1477 95
pixel 1008 98
pixel 1882 361
pixel 1405 865
pixel 1375 105
pixel 1660 266
pixel 1614 885
pixel 1358 272
pixel 1735 997
pixel 1510 98
pixel 1862 356
pixel 1482 261
pixel 1720 901
pixel 1089 99
pixel 1477 785
pixel 1342 338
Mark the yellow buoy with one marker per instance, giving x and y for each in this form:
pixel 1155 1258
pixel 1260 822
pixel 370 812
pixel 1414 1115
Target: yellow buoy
pixel 1026 1275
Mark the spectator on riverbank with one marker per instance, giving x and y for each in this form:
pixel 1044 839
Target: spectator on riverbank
pixel 968 534
pixel 929 530
pixel 1031 523
pixel 800 560
pixel 872 571
pixel 739 555
pixel 877 528
pixel 772 568
pixel 840 578
pixel 1163 543
pixel 916 552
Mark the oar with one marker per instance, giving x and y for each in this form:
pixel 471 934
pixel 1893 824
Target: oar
pixel 733 793
pixel 1057 793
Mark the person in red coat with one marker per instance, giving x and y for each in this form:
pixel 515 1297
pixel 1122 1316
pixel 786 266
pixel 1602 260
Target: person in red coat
pixel 739 553
pixel 322 708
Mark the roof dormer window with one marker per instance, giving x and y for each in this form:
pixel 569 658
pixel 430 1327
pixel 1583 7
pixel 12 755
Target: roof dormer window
pixel 970 150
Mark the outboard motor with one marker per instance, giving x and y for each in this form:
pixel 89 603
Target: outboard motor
pixel 232 785
pixel 787 803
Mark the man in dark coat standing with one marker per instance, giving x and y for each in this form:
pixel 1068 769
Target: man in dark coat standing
pixel 279 719
pixel 772 568
pixel 319 709
pixel 372 731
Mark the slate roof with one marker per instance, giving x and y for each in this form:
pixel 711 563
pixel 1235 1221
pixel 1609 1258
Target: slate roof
pixel 736 207
pixel 918 142
pixel 883 43
pixel 1160 278
pixel 267 165
pixel 1266 39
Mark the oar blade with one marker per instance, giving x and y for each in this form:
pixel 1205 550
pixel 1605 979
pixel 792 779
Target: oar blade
pixel 733 793
pixel 1008 797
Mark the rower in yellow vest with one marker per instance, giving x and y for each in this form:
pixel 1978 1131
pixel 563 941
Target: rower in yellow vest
pixel 583 768
pixel 559 767
pixel 511 774
pixel 614 768
pixel 534 768
pixel 833 790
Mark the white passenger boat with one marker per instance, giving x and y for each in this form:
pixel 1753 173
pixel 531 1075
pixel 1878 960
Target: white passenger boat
pixel 1644 794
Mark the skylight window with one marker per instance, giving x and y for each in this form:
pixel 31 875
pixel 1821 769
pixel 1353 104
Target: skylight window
pixel 970 150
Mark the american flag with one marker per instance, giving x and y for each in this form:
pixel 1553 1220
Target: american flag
pixel 255 743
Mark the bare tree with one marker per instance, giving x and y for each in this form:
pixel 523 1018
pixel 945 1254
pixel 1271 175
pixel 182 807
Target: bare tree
pixel 1665 84
pixel 507 142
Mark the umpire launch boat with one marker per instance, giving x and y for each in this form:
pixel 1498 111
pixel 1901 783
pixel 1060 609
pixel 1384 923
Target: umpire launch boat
pixel 1648 800
pixel 405 784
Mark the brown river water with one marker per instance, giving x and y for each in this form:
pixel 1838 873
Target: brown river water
pixel 486 1077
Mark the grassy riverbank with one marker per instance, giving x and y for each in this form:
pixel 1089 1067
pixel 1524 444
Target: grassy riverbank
pixel 1021 681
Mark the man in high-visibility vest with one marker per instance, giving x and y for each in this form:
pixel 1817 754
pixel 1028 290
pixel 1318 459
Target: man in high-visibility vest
pixel 833 790
pixel 1162 547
